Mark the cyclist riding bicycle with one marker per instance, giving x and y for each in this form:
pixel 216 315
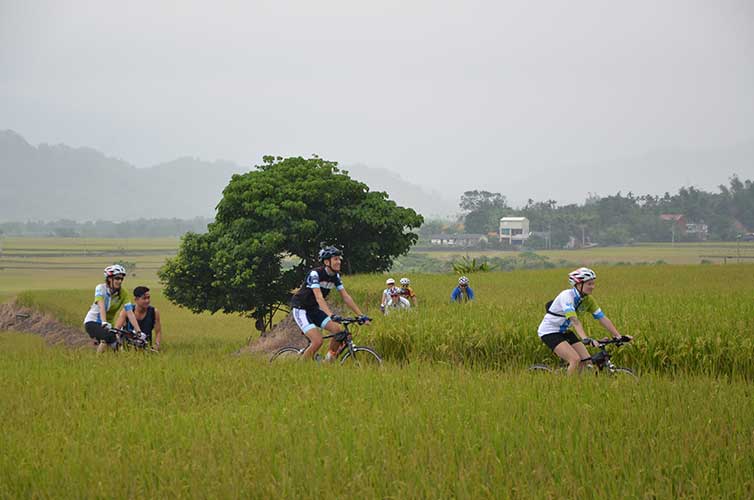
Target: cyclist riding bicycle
pixel 563 314
pixel 407 292
pixel 108 299
pixel 463 292
pixel 310 309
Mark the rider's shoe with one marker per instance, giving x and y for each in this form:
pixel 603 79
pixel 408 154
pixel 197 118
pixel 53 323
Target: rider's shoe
pixel 102 347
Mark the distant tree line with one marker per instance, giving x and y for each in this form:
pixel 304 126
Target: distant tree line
pixel 616 219
pixel 140 228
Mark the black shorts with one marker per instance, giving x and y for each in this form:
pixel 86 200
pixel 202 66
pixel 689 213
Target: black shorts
pixel 99 332
pixel 552 340
pixel 306 319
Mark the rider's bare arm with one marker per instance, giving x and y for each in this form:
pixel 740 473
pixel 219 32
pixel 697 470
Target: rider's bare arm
pixel 132 319
pixel 321 301
pixel 580 329
pixel 102 311
pixel 605 322
pixel 350 303
pixel 121 320
pixel 157 329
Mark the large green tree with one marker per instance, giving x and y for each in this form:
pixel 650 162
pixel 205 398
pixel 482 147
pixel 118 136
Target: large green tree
pixel 484 210
pixel 269 227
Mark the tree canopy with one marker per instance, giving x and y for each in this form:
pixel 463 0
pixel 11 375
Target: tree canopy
pixel 269 227
pixel 484 210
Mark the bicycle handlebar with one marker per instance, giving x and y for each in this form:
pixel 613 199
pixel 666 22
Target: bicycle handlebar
pixel 347 321
pixel 622 340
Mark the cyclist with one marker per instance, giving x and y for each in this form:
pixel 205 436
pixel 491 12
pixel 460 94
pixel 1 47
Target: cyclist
pixel 463 292
pixel 108 299
pixel 147 317
pixel 389 283
pixel 562 314
pixel 310 309
pixel 407 292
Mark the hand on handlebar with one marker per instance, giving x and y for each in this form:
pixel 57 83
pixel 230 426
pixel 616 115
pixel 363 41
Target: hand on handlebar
pixel 336 318
pixel 588 340
pixel 364 319
pixel 106 325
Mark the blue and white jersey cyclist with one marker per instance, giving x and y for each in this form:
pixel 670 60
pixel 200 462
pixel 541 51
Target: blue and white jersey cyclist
pixel 310 309
pixel 562 315
pixel 109 297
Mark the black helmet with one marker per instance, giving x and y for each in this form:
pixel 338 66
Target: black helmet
pixel 328 252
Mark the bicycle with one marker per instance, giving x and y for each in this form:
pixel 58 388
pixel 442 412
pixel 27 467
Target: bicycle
pixel 126 340
pixel 348 351
pixel 599 362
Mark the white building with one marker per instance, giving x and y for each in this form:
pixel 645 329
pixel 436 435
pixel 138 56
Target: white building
pixel 514 230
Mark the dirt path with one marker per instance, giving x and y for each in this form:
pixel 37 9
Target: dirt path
pixel 23 319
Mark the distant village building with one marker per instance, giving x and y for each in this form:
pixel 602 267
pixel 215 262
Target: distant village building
pixel 514 230
pixel 682 228
pixel 457 240
pixel 699 230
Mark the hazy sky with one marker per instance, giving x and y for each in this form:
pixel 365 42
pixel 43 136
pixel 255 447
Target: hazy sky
pixel 515 97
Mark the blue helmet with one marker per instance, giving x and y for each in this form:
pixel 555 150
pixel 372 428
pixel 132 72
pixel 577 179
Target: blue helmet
pixel 328 252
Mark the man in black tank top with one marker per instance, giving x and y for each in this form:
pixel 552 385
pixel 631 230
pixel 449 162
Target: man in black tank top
pixel 147 316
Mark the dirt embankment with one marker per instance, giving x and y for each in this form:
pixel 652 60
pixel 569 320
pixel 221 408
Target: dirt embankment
pixel 284 333
pixel 23 319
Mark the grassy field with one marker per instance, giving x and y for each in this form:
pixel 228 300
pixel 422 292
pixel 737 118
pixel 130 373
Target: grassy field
pixel 202 425
pixel 679 253
pixel 453 413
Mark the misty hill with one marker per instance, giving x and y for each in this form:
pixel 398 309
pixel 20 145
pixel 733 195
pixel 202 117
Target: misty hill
pixel 60 182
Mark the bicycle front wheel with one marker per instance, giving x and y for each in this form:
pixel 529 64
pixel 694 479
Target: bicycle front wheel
pixel 362 356
pixel 540 368
pixel 624 373
pixel 286 353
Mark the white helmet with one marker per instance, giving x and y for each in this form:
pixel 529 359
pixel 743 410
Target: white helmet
pixel 581 275
pixel 114 270
pixel 463 280
pixel 390 281
pixel 405 282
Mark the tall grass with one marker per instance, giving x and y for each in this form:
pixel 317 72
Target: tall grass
pixel 683 318
pixel 202 425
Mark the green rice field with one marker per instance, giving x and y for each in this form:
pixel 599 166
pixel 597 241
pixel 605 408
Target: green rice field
pixel 453 413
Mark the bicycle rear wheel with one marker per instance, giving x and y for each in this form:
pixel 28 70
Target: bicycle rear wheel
pixel 362 356
pixel 286 353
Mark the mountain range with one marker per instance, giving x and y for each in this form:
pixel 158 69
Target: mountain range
pixel 60 182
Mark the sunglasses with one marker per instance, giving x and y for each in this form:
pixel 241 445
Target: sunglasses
pixel 119 278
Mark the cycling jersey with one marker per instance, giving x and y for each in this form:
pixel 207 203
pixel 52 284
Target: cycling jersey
pixel 317 278
pixel 112 304
pixel 459 295
pixel 408 292
pixel 567 305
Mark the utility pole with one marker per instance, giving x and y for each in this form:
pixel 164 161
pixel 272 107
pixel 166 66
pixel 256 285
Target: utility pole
pixel 738 247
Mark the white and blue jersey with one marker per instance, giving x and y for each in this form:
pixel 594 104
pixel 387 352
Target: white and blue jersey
pixel 565 307
pixel 112 304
